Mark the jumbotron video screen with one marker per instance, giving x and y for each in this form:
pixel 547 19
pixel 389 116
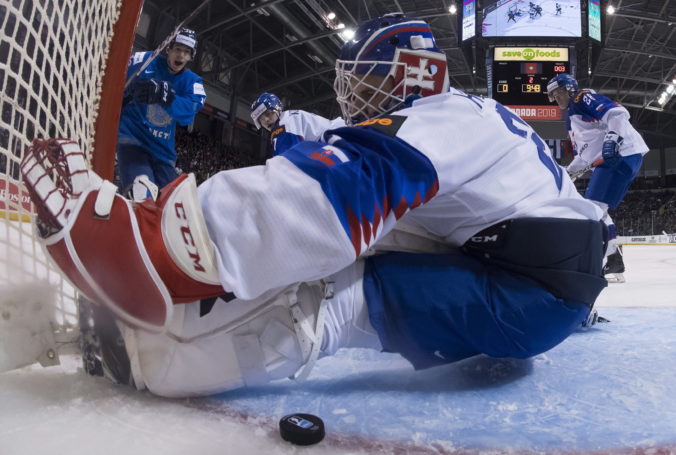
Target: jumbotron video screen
pixel 532 18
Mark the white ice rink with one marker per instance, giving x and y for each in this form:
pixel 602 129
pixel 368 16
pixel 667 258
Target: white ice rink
pixel 610 389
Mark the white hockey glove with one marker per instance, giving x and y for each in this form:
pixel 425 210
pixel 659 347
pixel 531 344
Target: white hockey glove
pixel 138 259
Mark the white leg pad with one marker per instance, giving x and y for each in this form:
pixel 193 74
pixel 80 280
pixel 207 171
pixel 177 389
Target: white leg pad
pixel 238 343
pixel 347 322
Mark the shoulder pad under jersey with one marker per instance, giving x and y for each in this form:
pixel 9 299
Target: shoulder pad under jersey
pixel 591 104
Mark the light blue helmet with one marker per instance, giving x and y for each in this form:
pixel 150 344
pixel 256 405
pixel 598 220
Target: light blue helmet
pixel 263 103
pixel 564 80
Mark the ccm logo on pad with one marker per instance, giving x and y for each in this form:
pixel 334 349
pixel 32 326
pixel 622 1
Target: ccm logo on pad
pixel 484 238
pixel 188 240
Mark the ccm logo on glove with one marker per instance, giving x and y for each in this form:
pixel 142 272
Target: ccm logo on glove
pixel 153 91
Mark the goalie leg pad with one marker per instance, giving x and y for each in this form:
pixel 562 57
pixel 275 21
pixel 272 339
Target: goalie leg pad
pixel 238 343
pixel 184 254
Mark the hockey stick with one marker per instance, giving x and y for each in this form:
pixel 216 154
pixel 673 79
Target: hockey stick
pixel 165 43
pixel 577 174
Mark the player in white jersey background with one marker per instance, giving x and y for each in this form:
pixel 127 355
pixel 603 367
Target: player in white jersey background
pixel 287 128
pixel 520 271
pixel 600 131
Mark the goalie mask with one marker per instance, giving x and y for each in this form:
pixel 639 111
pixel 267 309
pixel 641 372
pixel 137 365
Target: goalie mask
pixel 391 61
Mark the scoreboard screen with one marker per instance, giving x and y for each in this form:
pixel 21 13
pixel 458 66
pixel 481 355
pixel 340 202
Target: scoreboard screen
pixel 518 79
pixel 524 83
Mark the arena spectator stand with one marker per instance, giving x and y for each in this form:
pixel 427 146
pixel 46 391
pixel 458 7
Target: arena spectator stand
pixel 204 156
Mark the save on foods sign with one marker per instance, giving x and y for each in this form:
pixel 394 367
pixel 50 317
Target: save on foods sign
pixel 11 198
pixel 536 54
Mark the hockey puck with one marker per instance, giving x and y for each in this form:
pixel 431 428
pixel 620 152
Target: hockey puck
pixel 301 429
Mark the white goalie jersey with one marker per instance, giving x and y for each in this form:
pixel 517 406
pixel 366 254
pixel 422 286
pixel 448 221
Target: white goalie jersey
pixel 452 165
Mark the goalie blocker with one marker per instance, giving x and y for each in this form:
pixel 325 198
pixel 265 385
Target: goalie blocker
pixel 117 252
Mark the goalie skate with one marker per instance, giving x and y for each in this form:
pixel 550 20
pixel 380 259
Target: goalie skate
pixel 102 345
pixel 594 318
pixel 614 268
pixel 616 278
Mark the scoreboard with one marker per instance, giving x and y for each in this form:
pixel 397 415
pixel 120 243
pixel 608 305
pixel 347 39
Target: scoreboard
pixel 519 79
pixel 524 83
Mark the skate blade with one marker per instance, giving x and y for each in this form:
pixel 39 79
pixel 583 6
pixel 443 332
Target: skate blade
pixel 615 278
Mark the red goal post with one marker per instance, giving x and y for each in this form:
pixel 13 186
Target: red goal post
pixel 62 71
pixel 105 137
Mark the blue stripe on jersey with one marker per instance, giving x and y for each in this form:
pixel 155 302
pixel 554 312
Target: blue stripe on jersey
pixel 284 141
pixel 367 176
pixel 590 106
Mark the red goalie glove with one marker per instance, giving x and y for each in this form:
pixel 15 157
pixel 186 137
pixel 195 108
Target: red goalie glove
pixel 138 259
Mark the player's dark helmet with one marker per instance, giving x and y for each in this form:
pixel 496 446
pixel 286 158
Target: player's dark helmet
pixel 561 80
pixel 403 52
pixel 263 103
pixel 186 37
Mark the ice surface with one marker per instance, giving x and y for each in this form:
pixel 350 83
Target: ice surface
pixel 609 389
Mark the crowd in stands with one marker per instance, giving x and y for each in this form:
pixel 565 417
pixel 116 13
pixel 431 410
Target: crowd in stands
pixel 646 212
pixel 204 156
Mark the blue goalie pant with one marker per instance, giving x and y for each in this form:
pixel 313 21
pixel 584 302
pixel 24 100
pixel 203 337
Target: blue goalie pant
pixel 437 309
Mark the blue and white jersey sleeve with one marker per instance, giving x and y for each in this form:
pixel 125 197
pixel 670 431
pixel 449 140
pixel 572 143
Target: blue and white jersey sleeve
pixel 311 211
pixel 452 164
pixel 632 141
pixel 591 116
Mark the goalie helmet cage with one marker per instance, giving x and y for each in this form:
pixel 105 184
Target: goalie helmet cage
pixel 62 70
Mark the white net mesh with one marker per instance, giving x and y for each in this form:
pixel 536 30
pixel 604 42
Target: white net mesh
pixel 52 61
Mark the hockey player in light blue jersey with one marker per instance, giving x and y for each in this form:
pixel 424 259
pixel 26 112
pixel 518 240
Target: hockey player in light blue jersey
pixel 288 128
pixel 439 231
pixel 164 94
pixel 600 131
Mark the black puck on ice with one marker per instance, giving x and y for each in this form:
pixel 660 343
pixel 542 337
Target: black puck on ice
pixel 301 429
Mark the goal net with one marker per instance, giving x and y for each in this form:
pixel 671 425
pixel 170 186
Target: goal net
pixel 62 68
